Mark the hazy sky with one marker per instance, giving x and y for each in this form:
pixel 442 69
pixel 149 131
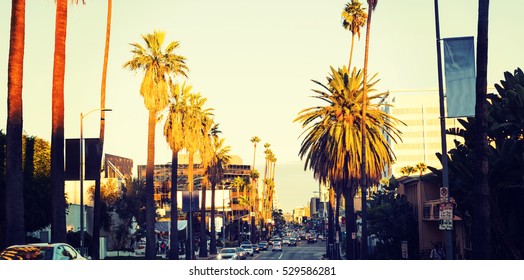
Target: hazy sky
pixel 253 60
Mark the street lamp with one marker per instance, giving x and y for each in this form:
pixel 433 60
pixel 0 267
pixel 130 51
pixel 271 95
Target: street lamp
pixel 82 116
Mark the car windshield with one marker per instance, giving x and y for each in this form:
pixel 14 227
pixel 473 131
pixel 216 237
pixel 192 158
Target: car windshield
pixel 228 251
pixel 27 253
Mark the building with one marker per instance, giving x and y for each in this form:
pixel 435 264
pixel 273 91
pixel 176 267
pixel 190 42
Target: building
pixel 424 194
pixel 162 183
pixel 421 136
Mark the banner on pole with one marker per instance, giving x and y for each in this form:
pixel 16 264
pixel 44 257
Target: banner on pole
pixel 459 62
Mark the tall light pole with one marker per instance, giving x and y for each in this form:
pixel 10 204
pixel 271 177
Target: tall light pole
pixel 82 116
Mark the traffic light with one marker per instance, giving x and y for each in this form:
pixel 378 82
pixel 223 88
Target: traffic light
pixel 304 219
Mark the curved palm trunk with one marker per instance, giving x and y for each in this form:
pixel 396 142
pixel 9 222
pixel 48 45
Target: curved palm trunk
pixel 96 209
pixel 14 203
pixel 150 189
pixel 203 236
pixel 363 176
pixel 213 242
pixel 173 234
pixel 58 222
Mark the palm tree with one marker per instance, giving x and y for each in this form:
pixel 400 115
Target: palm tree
pixel 481 241
pixel 238 184
pixel 353 18
pixel 408 170
pixel 331 143
pixel 96 210
pixel 173 131
pixel 197 125
pixel 215 172
pixel 372 4
pixel 14 203
pixel 158 66
pixel 58 221
pixel 421 167
pixel 254 190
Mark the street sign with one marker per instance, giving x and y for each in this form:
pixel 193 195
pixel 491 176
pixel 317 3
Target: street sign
pixel 446 216
pixel 404 248
pixel 444 194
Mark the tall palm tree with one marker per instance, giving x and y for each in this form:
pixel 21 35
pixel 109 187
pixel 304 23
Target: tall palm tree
pixel 173 131
pixel 331 145
pixel 254 191
pixel 481 241
pixel 96 208
pixel 372 4
pixel 197 125
pixel 215 172
pixel 14 203
pixel 353 18
pixel 158 65
pixel 58 221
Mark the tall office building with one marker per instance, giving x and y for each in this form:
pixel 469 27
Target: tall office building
pixel 421 134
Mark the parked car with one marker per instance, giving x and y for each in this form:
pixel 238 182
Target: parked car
pixel 41 251
pixel 248 248
pixel 264 245
pixel 277 246
pixel 241 253
pixel 229 253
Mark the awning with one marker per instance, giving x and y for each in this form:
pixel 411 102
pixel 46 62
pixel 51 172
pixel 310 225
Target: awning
pixel 166 226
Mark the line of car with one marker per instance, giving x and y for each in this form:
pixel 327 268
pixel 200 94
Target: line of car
pixel 246 249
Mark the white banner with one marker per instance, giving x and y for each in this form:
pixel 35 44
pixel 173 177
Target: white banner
pixel 459 61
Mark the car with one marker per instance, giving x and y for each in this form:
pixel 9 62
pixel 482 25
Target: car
pixel 242 254
pixel 264 245
pixel 228 253
pixel 292 242
pixel 277 246
pixel 256 248
pixel 311 239
pixel 321 237
pixel 41 251
pixel 285 241
pixel 248 248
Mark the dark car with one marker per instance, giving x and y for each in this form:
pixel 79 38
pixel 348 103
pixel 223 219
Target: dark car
pixel 292 242
pixel 311 239
pixel 263 245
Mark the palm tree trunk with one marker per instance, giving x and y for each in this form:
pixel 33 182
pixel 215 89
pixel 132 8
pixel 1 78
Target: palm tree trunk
pixel 351 52
pixel 150 189
pixel 191 253
pixel 363 176
pixel 58 222
pixel 213 241
pixel 173 235
pixel 96 209
pixel 203 236
pixel 481 240
pixel 337 222
pixel 14 203
pixel 331 226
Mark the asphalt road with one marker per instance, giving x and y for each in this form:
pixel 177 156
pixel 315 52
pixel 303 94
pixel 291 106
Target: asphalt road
pixel 302 251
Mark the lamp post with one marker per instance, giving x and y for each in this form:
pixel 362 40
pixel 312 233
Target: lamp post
pixel 82 116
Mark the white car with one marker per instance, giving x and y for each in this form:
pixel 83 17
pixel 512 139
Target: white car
pixel 277 246
pixel 41 251
pixel 248 248
pixel 229 253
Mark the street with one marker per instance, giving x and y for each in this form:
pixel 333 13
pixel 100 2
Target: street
pixel 302 251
